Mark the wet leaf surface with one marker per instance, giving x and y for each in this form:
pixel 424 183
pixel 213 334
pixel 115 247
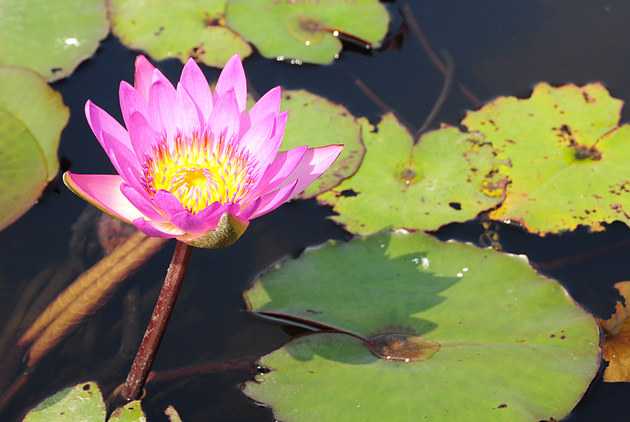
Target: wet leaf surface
pixel 51 37
pixel 616 348
pixel 83 402
pixel 426 330
pixel 565 156
pixel 166 29
pixel 315 121
pixel 304 30
pixel 447 176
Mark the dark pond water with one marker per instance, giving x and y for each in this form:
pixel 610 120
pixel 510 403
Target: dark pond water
pixel 499 48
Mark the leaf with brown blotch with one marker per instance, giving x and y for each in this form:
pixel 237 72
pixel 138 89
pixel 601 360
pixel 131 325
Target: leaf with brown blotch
pixel 616 349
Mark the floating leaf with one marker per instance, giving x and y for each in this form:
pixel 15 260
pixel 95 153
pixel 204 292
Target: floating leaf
pixel 427 330
pixel 23 171
pixel 448 176
pixel 179 29
pixel 566 157
pixel 83 402
pixel 41 109
pixel 51 37
pixel 315 121
pixel 131 412
pixel 616 349
pixel 305 30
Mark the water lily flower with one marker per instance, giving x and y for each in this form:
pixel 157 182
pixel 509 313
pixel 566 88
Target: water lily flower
pixel 194 163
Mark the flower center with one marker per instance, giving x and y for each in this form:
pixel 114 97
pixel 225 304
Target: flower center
pixel 199 172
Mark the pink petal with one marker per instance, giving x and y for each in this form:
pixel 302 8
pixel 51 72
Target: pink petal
pixel 143 138
pixel 246 213
pixel 103 191
pixel 197 87
pixel 282 166
pixel 141 202
pixel 273 200
pixel 162 103
pixel 225 118
pixel 167 202
pixel 269 149
pixel 100 121
pixel 156 230
pixel 123 159
pixel 143 77
pixel 131 101
pixel 232 77
pixel 202 221
pixel 189 120
pixel 258 135
pixel 268 103
pixel 313 164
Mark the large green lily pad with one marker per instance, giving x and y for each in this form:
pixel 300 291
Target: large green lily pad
pixel 83 402
pixel 306 30
pixel 426 330
pixel 51 37
pixel 182 29
pixel 23 171
pixel 447 176
pixel 41 109
pixel 315 121
pixel 566 157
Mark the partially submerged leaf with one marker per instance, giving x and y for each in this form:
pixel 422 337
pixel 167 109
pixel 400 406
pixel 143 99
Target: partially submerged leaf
pixel 172 414
pixel 83 402
pixel 181 29
pixel 51 37
pixel 565 156
pixel 435 330
pixel 616 348
pixel 447 176
pixel 307 31
pixel 315 121
pixel 131 412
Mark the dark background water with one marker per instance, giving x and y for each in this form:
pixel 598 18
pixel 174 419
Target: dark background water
pixel 499 48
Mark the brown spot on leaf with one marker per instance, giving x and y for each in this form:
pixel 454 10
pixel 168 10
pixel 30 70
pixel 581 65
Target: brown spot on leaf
pixel 402 347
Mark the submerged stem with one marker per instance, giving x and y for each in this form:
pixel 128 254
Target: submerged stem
pixel 157 324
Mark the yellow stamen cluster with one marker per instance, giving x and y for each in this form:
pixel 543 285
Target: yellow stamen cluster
pixel 199 172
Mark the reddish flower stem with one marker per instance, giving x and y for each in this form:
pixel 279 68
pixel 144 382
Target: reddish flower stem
pixel 132 389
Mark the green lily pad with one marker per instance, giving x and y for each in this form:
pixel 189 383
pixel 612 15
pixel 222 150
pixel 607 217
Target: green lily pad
pixel 315 121
pixel 566 157
pixel 83 402
pixel 131 412
pixel 23 171
pixel 41 109
pixel 447 176
pixel 51 37
pixel 305 30
pixel 426 330
pixel 179 29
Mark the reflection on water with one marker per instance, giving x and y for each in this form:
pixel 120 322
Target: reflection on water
pixel 498 48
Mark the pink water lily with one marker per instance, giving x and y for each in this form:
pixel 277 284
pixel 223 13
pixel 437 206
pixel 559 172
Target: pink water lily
pixel 192 159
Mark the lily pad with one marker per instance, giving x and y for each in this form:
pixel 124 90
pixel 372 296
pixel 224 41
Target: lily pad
pixel 566 157
pixel 41 109
pixel 51 37
pixel 131 412
pixel 305 30
pixel 425 330
pixel 179 29
pixel 447 176
pixel 315 121
pixel 83 402
pixel 23 171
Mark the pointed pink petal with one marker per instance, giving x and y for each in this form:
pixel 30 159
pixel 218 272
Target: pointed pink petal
pixel 167 202
pixel 131 101
pixel 143 138
pixel 162 103
pixel 268 150
pixel 225 118
pixel 141 202
pixel 268 103
pixel 143 77
pixel 197 87
pixel 232 77
pixel 103 191
pixel 258 135
pixel 156 230
pixel 200 222
pixel 100 121
pixel 282 166
pixel 273 200
pixel 188 119
pixel 124 160
pixel 313 164
pixel 246 213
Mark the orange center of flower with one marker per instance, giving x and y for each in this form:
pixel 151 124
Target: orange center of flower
pixel 198 172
